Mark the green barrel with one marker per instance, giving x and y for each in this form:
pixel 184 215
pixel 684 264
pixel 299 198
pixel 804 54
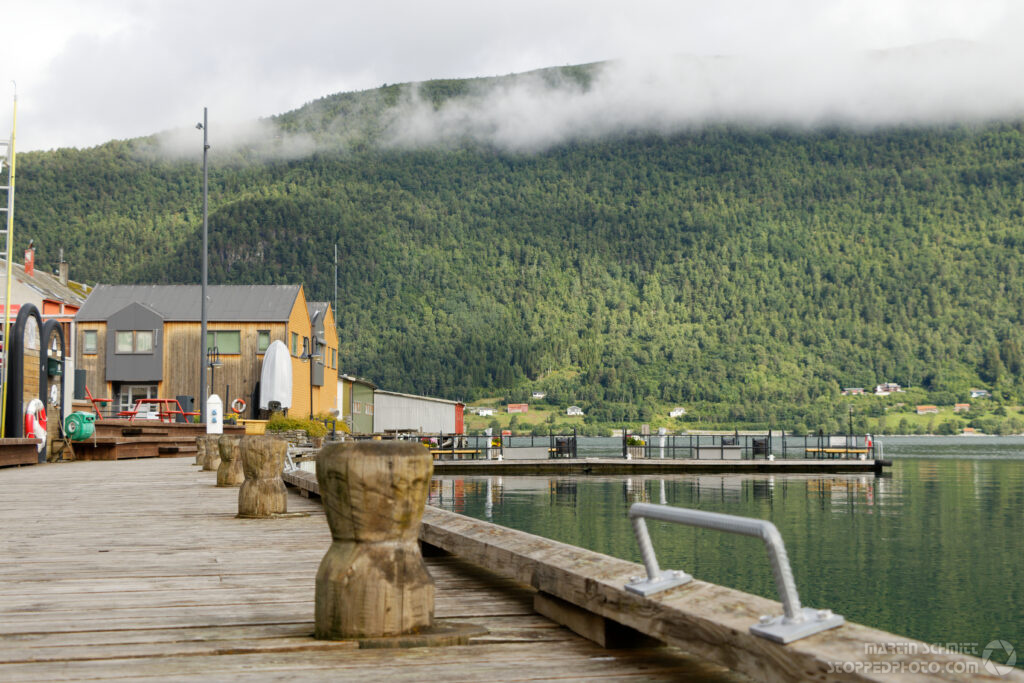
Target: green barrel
pixel 80 426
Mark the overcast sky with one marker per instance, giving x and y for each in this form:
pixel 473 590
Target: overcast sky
pixel 88 71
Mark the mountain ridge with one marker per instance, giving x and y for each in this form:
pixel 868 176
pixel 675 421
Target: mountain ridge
pixel 747 272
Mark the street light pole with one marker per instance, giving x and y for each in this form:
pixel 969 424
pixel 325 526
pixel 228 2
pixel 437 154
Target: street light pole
pixel 202 314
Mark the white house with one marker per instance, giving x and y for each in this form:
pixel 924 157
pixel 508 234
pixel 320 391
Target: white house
pixel 538 395
pixel 887 388
pixel 980 393
pixel 485 412
pixel 574 410
pixel 677 412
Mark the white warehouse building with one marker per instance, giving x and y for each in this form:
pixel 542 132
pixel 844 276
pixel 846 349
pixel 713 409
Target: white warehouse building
pixel 408 413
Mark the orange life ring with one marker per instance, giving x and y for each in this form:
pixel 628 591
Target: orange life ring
pixel 238 405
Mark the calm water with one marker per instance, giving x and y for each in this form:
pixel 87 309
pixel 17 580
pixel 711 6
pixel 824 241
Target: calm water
pixel 934 549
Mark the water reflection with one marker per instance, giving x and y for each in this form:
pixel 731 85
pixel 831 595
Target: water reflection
pixel 842 492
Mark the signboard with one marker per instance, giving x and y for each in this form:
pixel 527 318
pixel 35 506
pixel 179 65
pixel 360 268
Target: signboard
pixel 214 415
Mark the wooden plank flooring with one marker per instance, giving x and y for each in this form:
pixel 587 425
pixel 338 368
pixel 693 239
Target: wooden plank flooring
pixel 139 569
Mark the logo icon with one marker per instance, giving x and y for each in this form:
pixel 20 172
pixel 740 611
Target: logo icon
pixel 997 647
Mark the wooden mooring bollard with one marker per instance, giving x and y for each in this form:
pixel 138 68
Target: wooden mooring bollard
pixel 211 457
pixel 373 582
pixel 263 493
pixel 200 449
pixel 229 472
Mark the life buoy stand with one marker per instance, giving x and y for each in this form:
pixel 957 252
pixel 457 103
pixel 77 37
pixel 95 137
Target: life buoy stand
pixel 238 405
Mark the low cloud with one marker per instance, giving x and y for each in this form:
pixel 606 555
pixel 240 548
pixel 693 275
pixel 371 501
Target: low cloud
pixel 939 83
pixel 935 84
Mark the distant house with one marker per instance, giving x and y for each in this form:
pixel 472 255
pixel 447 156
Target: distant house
pixel 925 410
pixel 677 412
pixel 143 341
pixel 518 407
pixel 961 407
pixel 970 431
pixel 485 412
pixel 538 395
pixel 887 388
pixel 980 393
pixel 574 410
pixel 853 391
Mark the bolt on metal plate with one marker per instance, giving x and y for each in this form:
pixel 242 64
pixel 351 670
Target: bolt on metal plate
pixel 779 630
pixel 667 579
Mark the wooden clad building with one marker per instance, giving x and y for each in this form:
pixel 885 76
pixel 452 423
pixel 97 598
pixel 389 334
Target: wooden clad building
pixel 143 341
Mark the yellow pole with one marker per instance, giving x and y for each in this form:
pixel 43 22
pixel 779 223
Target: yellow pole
pixel 12 165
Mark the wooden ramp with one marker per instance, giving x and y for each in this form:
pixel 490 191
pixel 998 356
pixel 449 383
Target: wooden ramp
pixel 138 569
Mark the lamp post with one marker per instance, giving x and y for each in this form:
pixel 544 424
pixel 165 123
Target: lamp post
pixel 213 362
pixel 202 308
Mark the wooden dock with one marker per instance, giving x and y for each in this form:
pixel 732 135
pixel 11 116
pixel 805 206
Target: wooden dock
pixel 139 569
pixel 612 466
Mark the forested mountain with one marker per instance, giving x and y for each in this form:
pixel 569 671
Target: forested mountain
pixel 746 273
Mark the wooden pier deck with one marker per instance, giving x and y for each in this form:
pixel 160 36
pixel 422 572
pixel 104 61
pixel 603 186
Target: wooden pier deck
pixel 139 570
pixel 611 466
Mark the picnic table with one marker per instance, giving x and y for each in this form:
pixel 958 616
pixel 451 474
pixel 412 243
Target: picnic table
pixel 166 408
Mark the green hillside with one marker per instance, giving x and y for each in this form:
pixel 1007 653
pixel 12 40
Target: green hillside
pixel 747 274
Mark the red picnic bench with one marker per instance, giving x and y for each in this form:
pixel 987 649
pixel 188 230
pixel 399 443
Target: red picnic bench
pixel 167 408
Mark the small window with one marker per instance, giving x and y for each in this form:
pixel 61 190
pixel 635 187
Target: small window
pixel 124 342
pixel 262 341
pixel 144 341
pixel 89 341
pixel 225 341
pixel 369 409
pixel 357 407
pixel 334 358
pixel 133 341
pixel 295 343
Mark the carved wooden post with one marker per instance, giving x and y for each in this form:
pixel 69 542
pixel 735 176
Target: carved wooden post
pixel 372 582
pixel 200 449
pixel 212 459
pixel 229 473
pixel 262 493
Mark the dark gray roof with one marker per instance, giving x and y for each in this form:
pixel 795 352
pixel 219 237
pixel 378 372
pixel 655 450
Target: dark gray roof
pixel 320 308
pixel 181 302
pixel 317 307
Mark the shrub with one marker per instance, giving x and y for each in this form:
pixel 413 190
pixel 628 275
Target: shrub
pixel 339 424
pixel 281 423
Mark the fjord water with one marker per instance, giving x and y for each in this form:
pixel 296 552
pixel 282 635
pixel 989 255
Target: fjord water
pixel 934 549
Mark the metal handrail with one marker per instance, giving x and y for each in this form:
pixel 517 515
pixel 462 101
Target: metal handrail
pixel 795 623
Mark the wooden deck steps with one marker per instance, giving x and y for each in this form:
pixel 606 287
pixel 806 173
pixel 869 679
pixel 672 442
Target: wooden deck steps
pixel 140 569
pixel 121 439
